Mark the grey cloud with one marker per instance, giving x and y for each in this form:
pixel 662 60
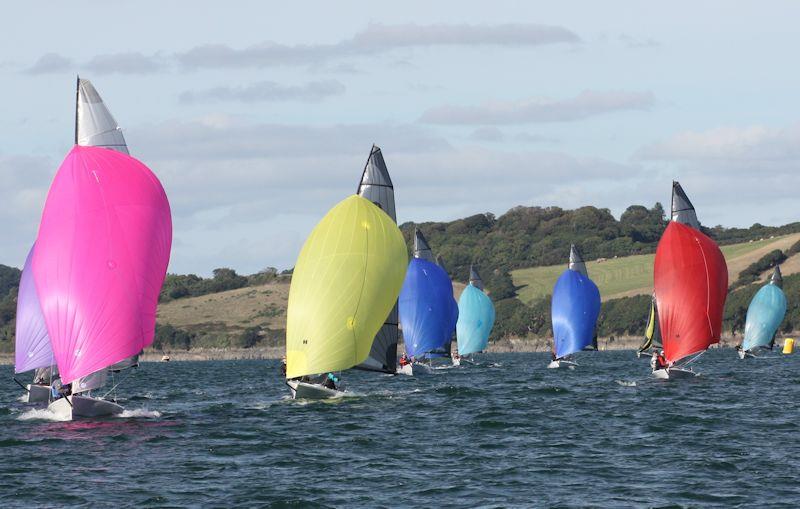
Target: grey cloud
pixel 487 134
pixel 124 63
pixel 264 91
pixel 586 104
pixel 50 63
pixel 374 39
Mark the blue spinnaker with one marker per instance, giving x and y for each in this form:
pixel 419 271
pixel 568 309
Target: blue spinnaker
pixel 428 311
pixel 575 307
pixel 475 320
pixel 764 315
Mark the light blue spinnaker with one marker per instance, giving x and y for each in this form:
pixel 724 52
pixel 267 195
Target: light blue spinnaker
pixel 475 317
pixel 575 308
pixel 765 314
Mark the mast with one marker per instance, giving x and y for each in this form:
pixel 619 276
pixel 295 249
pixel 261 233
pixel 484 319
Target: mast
pixel 77 98
pixel 776 278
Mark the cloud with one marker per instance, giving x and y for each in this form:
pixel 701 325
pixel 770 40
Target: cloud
pixel 487 134
pixel 124 63
pixel 50 63
pixel 376 38
pixel 265 91
pixel 638 42
pixel 733 146
pixel 584 105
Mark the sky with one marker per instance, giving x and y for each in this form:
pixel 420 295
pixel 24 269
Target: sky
pixel 258 116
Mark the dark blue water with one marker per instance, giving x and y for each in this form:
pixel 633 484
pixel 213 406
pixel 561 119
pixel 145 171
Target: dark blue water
pixel 224 434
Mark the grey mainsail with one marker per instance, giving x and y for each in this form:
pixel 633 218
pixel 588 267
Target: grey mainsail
pixel 421 247
pixel 475 278
pixel 376 186
pixel 682 209
pixel 94 124
pixel 776 278
pixel 576 262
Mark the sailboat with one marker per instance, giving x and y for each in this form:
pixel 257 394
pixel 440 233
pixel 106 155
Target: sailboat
pixel 428 311
pixel 376 186
pixel 94 126
pixel 764 315
pixel 345 282
pixel 575 307
pixel 652 334
pixel 475 318
pixel 691 284
pixel 100 260
pixel 32 343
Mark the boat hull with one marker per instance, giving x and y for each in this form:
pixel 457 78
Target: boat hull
pixel 456 361
pixel 304 390
pixel 77 406
pixel 673 374
pixel 562 364
pixel 38 393
pixel 415 369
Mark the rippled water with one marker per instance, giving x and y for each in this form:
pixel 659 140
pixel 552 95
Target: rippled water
pixel 506 433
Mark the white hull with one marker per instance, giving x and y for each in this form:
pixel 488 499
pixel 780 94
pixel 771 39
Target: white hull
pixel 415 369
pixel 304 390
pixel 673 373
pixel 76 406
pixel 456 361
pixel 562 364
pixel 38 393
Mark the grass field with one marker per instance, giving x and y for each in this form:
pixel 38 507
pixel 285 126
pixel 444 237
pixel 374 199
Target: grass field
pixel 633 275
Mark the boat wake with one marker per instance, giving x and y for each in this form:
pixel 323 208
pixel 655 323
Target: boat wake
pixel 140 413
pixel 42 414
pixel 627 383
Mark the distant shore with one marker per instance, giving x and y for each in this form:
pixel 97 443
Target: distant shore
pixel 511 345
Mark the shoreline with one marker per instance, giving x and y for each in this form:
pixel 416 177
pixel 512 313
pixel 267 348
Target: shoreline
pixel 509 345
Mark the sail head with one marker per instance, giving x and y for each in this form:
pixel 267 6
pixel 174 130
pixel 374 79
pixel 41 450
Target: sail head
pixel 776 278
pixel 682 209
pixel 421 247
pixel 576 262
pixel 94 124
pixel 376 184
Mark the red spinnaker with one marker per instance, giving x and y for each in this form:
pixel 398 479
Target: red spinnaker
pixel 691 283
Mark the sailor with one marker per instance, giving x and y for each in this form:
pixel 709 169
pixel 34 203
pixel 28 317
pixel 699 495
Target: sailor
pixel 330 381
pixel 661 362
pixel 403 360
pixel 283 366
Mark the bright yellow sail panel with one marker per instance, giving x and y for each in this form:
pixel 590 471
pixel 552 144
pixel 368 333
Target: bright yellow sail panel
pixel 345 283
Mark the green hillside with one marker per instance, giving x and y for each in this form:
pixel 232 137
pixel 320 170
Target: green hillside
pixel 633 275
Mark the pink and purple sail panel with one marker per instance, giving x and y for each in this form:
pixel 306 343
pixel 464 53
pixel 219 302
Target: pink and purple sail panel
pixel 32 349
pixel 100 260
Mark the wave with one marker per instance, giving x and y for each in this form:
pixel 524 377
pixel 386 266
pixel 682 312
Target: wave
pixel 140 412
pixel 41 414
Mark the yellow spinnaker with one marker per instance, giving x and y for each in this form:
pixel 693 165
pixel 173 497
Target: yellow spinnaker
pixel 345 283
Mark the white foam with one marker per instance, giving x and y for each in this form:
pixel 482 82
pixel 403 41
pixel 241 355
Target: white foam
pixel 140 412
pixel 42 414
pixel 626 383
pixel 23 398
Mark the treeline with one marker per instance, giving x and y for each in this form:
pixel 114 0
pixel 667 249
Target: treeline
pixel 537 236
pixel 169 338
pixel 9 283
pixel 177 286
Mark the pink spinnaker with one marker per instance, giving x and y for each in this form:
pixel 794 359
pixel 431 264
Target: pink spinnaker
pixel 32 349
pixel 100 260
